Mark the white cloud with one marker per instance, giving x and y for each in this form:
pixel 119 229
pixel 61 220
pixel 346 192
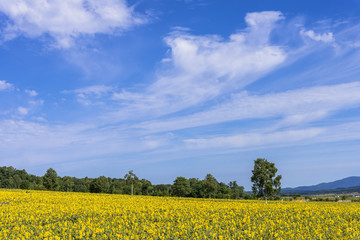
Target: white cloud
pixel 23 111
pixel 261 24
pixel 5 85
pixel 96 90
pixel 86 95
pixel 201 68
pixel 17 104
pixel 295 107
pixel 258 19
pixel 325 37
pixel 305 136
pixel 204 76
pixel 30 143
pixel 94 63
pixel 36 103
pixel 31 107
pixel 32 93
pixel 65 20
pixel 255 139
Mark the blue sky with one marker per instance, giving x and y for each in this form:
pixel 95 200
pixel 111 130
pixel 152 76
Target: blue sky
pixel 181 88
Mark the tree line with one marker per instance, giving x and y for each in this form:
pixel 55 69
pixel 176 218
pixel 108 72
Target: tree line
pixel 129 184
pixel 265 184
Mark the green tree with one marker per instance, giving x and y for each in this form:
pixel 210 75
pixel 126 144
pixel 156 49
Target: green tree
pixel 17 181
pixel 131 179
pixel 25 184
pixel 161 190
pixel 146 187
pixel 67 184
pixel 209 185
pixel 82 184
pixel 197 190
pixel 116 186
pixel 181 187
pixel 12 183
pixel 236 190
pixel 265 184
pixel 51 180
pixel 223 191
pixel 100 185
pixel 11 171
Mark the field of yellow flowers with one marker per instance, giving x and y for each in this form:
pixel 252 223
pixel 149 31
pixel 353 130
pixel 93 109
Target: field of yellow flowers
pixel 58 215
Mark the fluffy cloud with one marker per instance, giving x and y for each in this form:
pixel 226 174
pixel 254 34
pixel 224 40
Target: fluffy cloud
pixel 65 20
pixel 5 85
pixel 23 111
pixel 201 68
pixel 260 25
pixel 325 37
pixel 202 81
pixel 219 61
pixel 29 108
pixel 32 93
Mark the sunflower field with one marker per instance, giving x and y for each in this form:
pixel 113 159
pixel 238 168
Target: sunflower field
pixel 59 215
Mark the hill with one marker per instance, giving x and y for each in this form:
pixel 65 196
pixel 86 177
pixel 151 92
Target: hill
pixel 349 184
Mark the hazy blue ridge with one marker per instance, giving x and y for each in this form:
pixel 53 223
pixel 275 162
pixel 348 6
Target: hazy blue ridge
pixel 349 183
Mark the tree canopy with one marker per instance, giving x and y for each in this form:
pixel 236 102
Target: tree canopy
pixel 265 183
pixel 100 185
pixel 210 185
pixel 181 187
pixel 131 179
pixel 51 181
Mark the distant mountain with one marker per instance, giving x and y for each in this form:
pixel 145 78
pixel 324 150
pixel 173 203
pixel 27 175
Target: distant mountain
pixel 346 183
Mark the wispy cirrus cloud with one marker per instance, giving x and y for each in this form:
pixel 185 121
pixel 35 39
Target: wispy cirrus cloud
pixel 259 139
pixel 38 143
pixel 87 95
pixel 294 107
pixel 201 68
pixel 262 139
pixel 207 80
pixel 66 20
